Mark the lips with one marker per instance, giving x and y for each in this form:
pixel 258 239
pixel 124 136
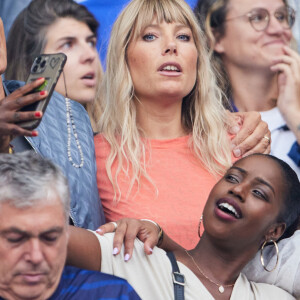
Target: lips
pixel 170 67
pixel 276 42
pixel 89 79
pixel 229 207
pixel 32 278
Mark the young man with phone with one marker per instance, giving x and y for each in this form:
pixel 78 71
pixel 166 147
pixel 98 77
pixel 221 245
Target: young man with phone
pixel 51 139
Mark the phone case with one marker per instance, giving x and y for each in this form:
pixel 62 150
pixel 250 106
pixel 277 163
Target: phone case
pixel 50 67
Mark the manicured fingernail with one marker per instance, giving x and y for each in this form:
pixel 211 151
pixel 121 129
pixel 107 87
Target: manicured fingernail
pixel 115 251
pixel 126 257
pixel 38 114
pixel 42 93
pixel 237 152
pixel 34 133
pixel 40 78
pixel 234 129
pixel 151 250
pixel 99 230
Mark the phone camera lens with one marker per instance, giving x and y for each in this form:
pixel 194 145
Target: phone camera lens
pixel 43 64
pixel 35 68
pixel 38 60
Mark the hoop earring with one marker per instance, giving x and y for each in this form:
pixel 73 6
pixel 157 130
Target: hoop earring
pixel 262 258
pixel 199 226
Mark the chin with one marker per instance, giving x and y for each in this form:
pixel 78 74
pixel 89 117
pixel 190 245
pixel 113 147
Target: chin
pixel 39 292
pixel 83 99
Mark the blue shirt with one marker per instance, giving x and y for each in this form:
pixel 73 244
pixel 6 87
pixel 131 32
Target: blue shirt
pixel 79 284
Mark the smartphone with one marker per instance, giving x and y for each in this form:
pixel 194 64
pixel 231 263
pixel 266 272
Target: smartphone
pixel 50 67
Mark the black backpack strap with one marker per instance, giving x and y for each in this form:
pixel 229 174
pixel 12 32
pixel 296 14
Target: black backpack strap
pixel 178 278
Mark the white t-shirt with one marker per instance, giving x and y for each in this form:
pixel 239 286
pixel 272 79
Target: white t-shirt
pixel 151 276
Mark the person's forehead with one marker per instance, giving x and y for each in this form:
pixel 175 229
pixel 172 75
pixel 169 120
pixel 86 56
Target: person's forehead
pixel 67 27
pixel 38 218
pixel 247 5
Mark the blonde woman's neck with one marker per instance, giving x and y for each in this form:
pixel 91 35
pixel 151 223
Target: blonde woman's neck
pixel 160 120
pixel 253 90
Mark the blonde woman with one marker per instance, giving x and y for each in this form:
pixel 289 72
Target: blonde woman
pixel 163 138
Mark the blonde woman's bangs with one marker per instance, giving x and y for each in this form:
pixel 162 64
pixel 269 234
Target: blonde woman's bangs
pixel 169 11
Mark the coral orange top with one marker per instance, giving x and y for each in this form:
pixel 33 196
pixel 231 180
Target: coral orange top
pixel 183 186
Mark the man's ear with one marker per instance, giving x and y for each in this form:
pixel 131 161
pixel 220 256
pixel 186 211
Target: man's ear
pixel 3 57
pixel 275 232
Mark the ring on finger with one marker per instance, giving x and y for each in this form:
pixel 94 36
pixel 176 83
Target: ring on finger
pixel 115 225
pixel 267 138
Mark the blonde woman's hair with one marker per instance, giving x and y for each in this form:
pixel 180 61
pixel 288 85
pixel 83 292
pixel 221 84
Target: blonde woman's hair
pixel 203 115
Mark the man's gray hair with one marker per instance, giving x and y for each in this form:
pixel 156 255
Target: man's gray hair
pixel 27 179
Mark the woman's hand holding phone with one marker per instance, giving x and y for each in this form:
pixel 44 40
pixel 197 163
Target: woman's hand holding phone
pixel 10 114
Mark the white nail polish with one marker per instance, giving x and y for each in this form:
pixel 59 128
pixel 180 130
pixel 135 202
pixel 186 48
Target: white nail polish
pixel 115 251
pixel 127 256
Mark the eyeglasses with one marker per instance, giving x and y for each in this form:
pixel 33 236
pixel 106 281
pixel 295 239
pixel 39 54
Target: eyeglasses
pixel 259 18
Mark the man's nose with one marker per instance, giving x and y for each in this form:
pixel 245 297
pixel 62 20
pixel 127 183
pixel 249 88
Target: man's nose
pixel 34 253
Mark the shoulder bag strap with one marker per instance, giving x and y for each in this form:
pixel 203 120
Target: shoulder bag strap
pixel 178 278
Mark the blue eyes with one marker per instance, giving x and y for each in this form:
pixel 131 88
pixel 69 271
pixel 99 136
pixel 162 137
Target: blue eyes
pixel 184 37
pixel 151 37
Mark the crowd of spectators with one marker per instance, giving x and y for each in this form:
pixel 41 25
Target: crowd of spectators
pixel 168 143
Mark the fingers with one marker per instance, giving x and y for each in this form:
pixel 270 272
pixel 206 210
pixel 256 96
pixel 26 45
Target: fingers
pixel 253 129
pixel 17 116
pixel 150 243
pixel 252 138
pixel 262 146
pixel 106 228
pixel 15 130
pixel 290 60
pixel 20 102
pixel 26 88
pixel 20 97
pixel 127 231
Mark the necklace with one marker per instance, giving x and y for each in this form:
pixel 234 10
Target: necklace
pixel 221 287
pixel 70 122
